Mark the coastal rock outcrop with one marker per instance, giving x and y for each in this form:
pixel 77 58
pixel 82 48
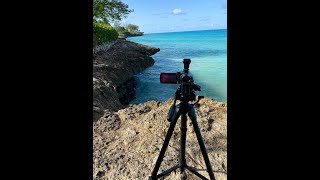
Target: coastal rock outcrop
pixel 111 71
pixel 127 138
pixel 127 142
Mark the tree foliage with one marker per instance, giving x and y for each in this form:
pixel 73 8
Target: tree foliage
pixel 120 29
pixel 127 29
pixel 103 33
pixel 107 11
pixel 132 28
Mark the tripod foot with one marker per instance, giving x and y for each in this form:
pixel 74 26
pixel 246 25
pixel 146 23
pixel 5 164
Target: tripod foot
pixel 184 176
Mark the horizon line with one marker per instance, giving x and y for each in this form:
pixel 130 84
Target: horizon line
pixel 187 31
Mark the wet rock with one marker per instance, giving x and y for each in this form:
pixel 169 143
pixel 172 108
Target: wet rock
pixel 127 91
pixel 113 86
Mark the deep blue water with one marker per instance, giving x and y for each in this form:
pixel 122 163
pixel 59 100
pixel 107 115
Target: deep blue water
pixel 207 51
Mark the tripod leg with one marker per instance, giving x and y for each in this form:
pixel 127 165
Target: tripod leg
pixel 193 118
pixel 183 142
pixel 164 146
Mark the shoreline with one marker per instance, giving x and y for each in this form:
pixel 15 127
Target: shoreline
pixel 127 138
pixel 125 36
pixel 112 70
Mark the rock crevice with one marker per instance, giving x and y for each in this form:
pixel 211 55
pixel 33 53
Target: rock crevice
pixel 112 71
pixel 127 138
pixel 135 135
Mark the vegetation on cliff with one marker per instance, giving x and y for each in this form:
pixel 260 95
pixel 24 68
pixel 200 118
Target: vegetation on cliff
pixel 104 12
pixel 103 33
pixel 127 30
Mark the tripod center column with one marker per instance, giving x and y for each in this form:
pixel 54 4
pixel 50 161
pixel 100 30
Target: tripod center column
pixel 183 129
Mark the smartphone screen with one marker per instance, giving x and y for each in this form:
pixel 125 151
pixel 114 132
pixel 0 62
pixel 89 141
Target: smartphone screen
pixel 169 78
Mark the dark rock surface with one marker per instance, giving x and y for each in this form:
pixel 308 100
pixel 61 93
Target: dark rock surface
pixel 112 68
pixel 127 91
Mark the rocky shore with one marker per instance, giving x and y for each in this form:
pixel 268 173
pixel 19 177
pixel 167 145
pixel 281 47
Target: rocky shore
pixel 127 138
pixel 127 142
pixel 124 36
pixel 112 74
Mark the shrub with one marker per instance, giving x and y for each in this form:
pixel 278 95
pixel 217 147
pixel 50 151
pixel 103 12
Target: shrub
pixel 103 33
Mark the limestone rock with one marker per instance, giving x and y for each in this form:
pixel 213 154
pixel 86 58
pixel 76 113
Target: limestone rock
pixel 129 148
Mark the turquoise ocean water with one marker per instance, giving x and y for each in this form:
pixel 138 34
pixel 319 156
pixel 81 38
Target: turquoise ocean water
pixel 207 51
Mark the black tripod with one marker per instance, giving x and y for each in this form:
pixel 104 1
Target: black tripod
pixel 175 112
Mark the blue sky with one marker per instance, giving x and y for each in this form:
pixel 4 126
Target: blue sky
pixel 155 16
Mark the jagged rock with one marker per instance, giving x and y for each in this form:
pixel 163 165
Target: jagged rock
pixel 131 150
pixel 111 71
pixel 127 138
pixel 127 91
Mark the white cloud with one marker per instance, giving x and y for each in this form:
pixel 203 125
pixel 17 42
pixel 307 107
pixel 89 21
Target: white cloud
pixel 177 11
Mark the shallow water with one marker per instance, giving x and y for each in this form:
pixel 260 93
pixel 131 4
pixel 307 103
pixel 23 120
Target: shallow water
pixel 207 51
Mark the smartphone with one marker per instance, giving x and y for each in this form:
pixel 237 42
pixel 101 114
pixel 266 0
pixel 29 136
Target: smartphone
pixel 168 78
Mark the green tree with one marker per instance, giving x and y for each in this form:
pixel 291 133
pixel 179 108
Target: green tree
pixel 107 11
pixel 120 29
pixel 132 28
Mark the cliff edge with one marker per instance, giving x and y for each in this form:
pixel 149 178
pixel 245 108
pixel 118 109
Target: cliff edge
pixel 111 71
pixel 127 138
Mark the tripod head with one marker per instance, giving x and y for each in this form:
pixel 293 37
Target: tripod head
pixel 186 63
pixel 187 88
